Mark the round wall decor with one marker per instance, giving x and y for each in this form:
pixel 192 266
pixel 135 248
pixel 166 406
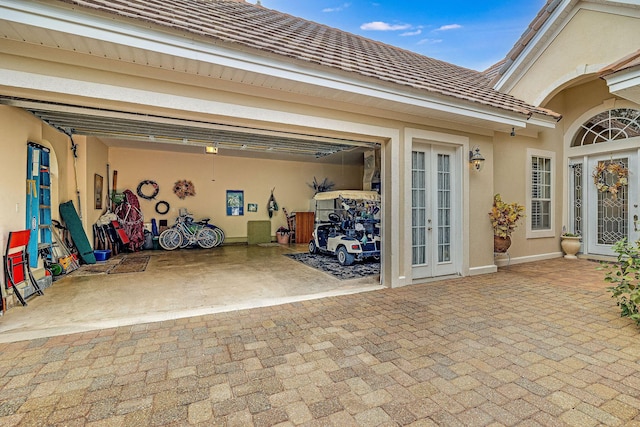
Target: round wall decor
pixel 184 188
pixel 153 184
pixel 162 207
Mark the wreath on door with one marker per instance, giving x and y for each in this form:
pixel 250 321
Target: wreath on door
pixel 618 170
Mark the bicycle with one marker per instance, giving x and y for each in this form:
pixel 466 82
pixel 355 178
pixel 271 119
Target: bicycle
pixel 219 231
pixel 185 232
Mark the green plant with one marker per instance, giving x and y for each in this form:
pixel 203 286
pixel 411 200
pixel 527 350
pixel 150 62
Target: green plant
pixel 505 216
pixel 625 275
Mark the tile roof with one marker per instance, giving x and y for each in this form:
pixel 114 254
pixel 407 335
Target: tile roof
pixel 540 19
pixel 254 26
pixel 629 61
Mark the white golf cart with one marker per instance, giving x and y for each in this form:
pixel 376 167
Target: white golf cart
pixel 347 225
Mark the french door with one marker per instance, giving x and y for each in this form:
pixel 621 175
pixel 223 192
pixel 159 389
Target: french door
pixel 610 215
pixel 435 208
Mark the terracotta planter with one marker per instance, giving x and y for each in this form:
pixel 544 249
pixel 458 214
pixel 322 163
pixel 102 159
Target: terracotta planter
pixel 282 238
pixel 501 244
pixel 570 246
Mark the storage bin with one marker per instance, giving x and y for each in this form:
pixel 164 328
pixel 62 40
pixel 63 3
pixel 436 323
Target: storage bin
pixel 102 255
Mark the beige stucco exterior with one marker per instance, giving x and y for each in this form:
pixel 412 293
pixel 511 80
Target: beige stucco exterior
pixel 589 38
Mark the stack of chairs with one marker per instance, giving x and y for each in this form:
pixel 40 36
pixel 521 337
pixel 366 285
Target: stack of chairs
pixel 16 264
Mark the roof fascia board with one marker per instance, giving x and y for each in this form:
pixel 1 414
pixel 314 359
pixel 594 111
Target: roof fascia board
pixel 624 79
pixel 625 83
pixel 92 26
pixel 543 37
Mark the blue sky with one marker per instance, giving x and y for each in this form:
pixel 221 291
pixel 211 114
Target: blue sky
pixel 472 34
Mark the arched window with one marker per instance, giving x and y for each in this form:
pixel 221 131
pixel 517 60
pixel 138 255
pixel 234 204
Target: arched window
pixel 611 125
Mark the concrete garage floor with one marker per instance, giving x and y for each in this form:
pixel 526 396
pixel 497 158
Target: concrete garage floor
pixel 177 284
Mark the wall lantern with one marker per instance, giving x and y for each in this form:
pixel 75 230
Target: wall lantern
pixel 476 159
pixel 211 149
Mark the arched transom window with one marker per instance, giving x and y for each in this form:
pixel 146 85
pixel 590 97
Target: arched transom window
pixel 611 125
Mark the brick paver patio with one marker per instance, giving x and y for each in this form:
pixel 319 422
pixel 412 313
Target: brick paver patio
pixel 534 344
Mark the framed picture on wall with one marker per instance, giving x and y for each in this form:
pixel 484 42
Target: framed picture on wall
pixel 252 207
pixel 235 202
pixel 97 190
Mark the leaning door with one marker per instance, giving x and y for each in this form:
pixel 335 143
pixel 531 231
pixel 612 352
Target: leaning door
pixel 612 202
pixel 435 211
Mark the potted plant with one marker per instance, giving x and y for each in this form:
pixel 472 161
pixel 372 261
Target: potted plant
pixel 570 243
pixel 504 219
pixel 282 235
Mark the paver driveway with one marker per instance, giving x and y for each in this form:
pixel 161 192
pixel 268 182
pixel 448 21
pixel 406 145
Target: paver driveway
pixel 534 344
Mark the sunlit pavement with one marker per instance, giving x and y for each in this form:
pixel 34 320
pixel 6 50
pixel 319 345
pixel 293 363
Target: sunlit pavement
pixel 534 344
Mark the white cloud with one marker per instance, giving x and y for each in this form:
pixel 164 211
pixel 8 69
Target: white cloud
pixel 430 41
pixel 337 9
pixel 411 33
pixel 448 27
pixel 383 26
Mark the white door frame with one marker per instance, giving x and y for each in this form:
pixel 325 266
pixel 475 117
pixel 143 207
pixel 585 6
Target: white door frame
pixel 587 155
pixel 592 243
pixel 589 204
pixel 430 227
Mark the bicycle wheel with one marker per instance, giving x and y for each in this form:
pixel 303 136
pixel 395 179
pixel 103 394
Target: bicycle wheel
pixel 170 239
pixel 206 238
pixel 219 235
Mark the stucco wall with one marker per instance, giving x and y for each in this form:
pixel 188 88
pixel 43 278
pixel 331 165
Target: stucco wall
pixel 18 128
pixel 590 40
pixel 96 163
pixel 481 190
pixel 256 177
pixel 511 181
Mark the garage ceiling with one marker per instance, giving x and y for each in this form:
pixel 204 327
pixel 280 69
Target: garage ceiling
pixel 118 128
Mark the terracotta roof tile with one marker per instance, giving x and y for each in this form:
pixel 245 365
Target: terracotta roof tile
pixel 629 61
pixel 254 26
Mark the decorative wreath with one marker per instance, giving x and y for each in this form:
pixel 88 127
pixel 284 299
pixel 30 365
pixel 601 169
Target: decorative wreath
pixel 617 169
pixel 151 183
pixel 166 207
pixel 184 188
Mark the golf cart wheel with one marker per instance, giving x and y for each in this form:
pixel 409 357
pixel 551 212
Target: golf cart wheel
pixel 313 249
pixel 344 257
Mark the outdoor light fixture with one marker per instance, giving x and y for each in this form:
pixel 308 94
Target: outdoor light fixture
pixel 476 159
pixel 211 149
pixel 513 132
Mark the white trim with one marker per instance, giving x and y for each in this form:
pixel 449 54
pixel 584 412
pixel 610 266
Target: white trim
pixel 461 143
pixel 503 262
pixel 181 103
pixel 484 269
pixel 624 79
pixel 571 78
pixel 583 153
pixel 541 40
pixel 71 22
pixel 551 155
